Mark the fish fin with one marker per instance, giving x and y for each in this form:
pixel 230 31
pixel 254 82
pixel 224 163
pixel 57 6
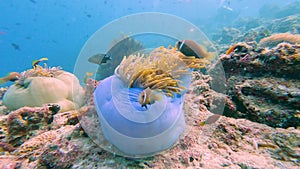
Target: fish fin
pixel 42 59
pixel 155 96
pixel 145 105
pixel 158 96
pixel 35 62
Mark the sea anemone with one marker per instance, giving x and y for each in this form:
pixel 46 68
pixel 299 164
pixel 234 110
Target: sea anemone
pixel 38 71
pixel 43 85
pixel 159 80
pixel 164 69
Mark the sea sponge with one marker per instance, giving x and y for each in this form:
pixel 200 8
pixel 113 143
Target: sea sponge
pixel 40 86
pixel 275 39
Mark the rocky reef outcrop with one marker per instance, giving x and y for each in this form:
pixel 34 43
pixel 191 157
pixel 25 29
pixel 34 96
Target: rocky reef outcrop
pixel 264 83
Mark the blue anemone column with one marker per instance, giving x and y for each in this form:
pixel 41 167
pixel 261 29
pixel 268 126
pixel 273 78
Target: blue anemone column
pixel 133 129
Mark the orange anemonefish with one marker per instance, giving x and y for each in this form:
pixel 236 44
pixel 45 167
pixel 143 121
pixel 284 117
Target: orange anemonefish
pixel 192 48
pixel 12 76
pixel 149 96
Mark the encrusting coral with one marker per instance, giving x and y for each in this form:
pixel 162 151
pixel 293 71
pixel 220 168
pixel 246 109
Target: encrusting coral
pixel 164 69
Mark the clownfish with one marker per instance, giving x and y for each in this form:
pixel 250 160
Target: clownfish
pixel 192 48
pixel 36 62
pixel 148 97
pixel 12 76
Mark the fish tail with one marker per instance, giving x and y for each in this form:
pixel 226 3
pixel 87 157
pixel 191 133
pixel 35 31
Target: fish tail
pixel 155 96
pixel 42 59
pixel 35 62
pixel 158 96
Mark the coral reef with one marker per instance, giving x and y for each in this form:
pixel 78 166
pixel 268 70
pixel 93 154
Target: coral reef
pixel 264 83
pixel 42 85
pixel 263 97
pixel 280 61
pixel 19 125
pixel 232 143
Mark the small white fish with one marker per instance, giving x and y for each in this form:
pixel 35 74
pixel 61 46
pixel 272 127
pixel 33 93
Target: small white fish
pixel 211 119
pixel 99 59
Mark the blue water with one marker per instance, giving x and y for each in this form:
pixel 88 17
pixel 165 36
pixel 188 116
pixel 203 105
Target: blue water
pixel 57 29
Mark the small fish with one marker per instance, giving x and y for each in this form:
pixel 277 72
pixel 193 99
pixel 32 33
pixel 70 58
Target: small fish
pixel 297 115
pixel 99 59
pixel 87 76
pixel 149 96
pixel 231 49
pixel 12 76
pixel 15 46
pixel 192 48
pixel 36 62
pixel 211 119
